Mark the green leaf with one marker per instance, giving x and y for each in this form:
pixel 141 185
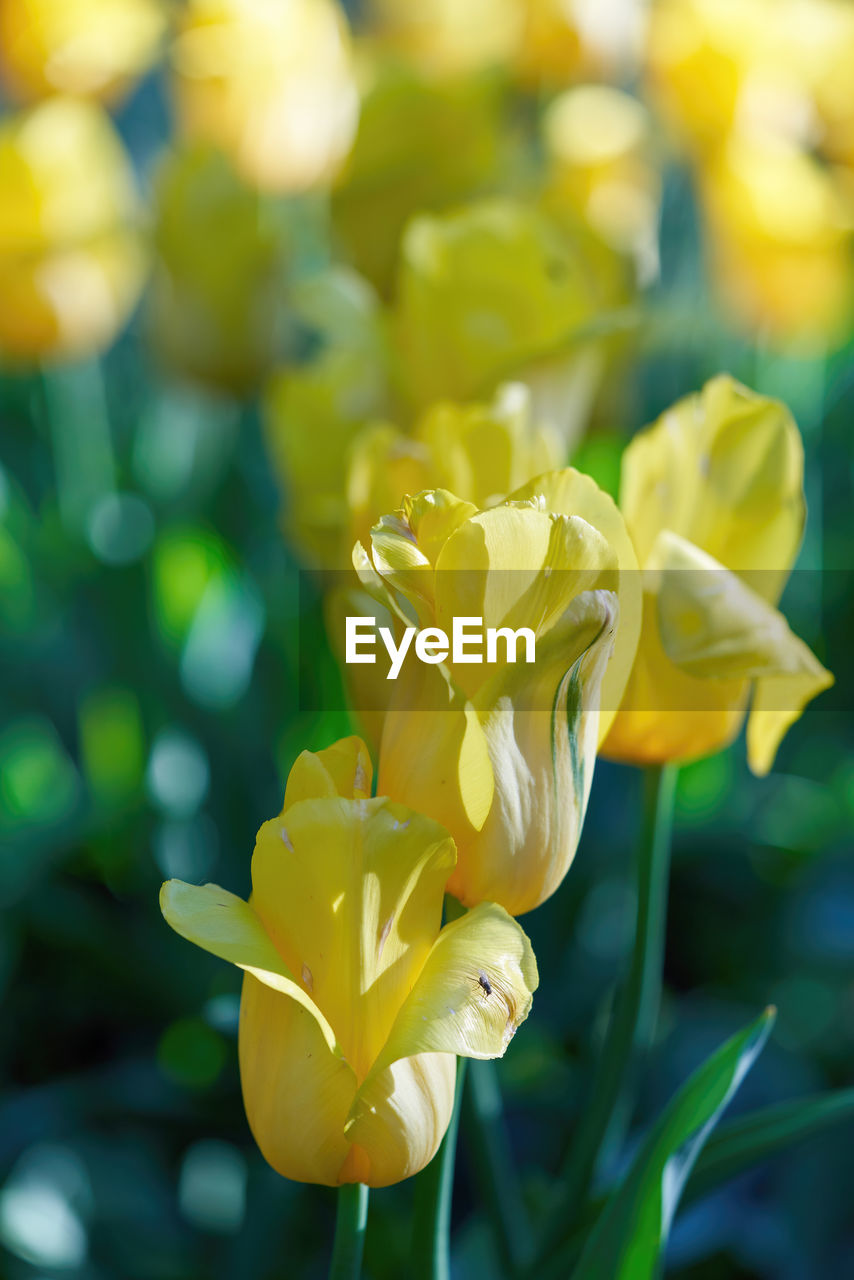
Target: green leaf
pixel 750 1139
pixel 631 1233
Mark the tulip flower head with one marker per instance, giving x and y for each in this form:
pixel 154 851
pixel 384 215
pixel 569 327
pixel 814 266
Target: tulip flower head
pixel 446 36
pixel 341 388
pixel 598 140
pixel 712 495
pixel 71 259
pixel 481 452
pixel 355 1000
pixel 494 291
pixel 503 754
pixel 422 144
pixel 780 237
pixel 214 300
pixel 271 84
pixel 90 48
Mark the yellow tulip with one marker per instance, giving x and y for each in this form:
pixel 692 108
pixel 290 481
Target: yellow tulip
pixel 91 48
pixel 215 297
pixel 550 50
pixel 780 238
pixel 271 84
pixel 329 398
pixel 446 36
pixel 71 258
pixel 717 64
pixel 712 495
pixel 503 754
pixel 480 452
pixel 598 141
pixel 496 291
pixel 824 32
pixel 355 999
pixel 422 144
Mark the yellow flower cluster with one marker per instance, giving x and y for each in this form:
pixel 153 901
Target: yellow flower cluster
pixel 759 93
pixel 355 228
pixel 653 623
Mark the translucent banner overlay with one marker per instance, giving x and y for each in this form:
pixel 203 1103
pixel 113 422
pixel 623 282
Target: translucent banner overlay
pixel 431 640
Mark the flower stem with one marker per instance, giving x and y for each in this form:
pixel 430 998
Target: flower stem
pixel 431 1236
pixel 494 1168
pixel 350 1223
pixel 634 1019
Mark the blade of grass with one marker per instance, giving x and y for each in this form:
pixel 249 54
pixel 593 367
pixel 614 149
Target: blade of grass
pixel 752 1138
pixel 494 1169
pixel 434 1186
pixel 630 1235
pixel 633 1022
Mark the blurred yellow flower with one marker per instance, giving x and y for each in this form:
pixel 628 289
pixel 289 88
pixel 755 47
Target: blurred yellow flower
pixel 71 258
pixel 271 84
pixel 328 399
pixel 713 499
pixel 503 754
pixel 481 452
pixel 550 50
pixel 598 142
pixel 824 31
pixel 422 145
pixel 780 238
pixel 94 48
pixel 215 298
pixel 355 999
pixel 447 36
pixel 714 65
pixel 497 291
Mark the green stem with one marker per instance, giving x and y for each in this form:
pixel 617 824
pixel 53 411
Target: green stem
pixel 350 1223
pixel 633 1022
pixel 494 1168
pixel 431 1236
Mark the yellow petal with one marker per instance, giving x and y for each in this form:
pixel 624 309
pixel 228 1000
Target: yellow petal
pixel 667 714
pixel 489 563
pixel 344 769
pixel 570 492
pixel 542 730
pixel 433 516
pixel 351 893
pixel 473 992
pixel 712 624
pixel 724 469
pixel 297 1094
pixel 433 752
pixel 777 703
pixel 400 1116
pixel 399 559
pixel 226 926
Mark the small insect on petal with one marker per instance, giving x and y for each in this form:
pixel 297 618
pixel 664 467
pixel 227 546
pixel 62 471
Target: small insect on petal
pixel 484 982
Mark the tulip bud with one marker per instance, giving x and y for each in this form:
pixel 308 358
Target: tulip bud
pixel 713 497
pixel 503 753
pixel 355 1000
pixel 480 452
pixel 495 291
